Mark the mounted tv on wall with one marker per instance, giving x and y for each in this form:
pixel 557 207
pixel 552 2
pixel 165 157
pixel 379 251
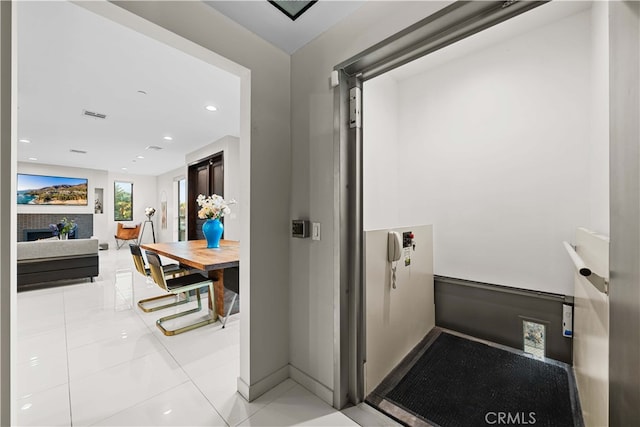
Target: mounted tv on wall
pixel 51 190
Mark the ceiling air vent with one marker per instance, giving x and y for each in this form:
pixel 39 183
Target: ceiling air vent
pixel 94 114
pixel 78 151
pixel 153 147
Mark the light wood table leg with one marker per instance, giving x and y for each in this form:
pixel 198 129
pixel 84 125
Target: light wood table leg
pixel 218 287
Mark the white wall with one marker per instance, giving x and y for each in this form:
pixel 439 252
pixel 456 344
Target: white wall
pixel 145 194
pixel 104 225
pixel 164 187
pixel 397 319
pixel 599 124
pixel 381 110
pixel 314 265
pixel 496 150
pixel 230 147
pixel 96 178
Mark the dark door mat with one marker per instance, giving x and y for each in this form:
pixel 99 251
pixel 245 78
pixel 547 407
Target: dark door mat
pixel 461 382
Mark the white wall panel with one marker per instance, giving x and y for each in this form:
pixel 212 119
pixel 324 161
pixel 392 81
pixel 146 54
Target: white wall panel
pixel 591 331
pixel 396 319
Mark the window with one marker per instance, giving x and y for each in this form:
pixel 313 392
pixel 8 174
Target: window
pixel 123 201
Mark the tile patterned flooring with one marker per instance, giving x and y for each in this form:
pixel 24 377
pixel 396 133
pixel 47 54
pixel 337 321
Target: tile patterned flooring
pixel 88 356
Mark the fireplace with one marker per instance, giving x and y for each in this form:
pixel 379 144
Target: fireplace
pixel 37 224
pixel 31 234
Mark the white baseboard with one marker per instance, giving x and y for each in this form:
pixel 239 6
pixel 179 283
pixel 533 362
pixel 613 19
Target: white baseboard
pixel 252 392
pixel 314 386
pixel 243 388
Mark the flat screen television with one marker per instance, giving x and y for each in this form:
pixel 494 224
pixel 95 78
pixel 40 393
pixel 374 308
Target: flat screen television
pixel 51 190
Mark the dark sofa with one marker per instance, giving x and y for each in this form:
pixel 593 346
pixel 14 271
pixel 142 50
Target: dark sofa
pixel 44 261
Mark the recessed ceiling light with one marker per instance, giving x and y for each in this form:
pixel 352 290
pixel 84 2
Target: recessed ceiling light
pixel 211 108
pixel 26 141
pixel 32 158
pixel 124 169
pixel 168 138
pixel 140 157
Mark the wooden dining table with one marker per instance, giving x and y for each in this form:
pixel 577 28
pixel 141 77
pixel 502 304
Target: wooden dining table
pixel 213 261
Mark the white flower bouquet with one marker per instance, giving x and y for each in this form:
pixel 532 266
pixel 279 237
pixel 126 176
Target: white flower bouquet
pixel 213 207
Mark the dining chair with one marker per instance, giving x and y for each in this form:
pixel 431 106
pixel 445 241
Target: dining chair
pixel 170 270
pixel 177 285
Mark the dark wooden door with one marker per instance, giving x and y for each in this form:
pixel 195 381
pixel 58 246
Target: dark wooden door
pixel 205 177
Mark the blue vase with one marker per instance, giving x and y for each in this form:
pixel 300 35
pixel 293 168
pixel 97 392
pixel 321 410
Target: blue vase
pixel 212 230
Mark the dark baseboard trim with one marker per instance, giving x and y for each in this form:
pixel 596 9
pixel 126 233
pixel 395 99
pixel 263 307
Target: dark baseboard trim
pixel 495 313
pixel 505 289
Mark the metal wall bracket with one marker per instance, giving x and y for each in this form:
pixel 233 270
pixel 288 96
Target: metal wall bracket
pixel 599 282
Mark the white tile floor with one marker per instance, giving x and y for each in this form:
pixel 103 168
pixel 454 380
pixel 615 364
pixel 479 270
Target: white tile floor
pixel 88 356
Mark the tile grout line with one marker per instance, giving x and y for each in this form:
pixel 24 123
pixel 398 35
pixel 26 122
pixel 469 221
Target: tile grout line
pixel 191 379
pixel 206 398
pixel 136 358
pixel 66 345
pixel 150 327
pixel 137 404
pixel 37 334
pixel 294 384
pixel 166 345
pixel 201 392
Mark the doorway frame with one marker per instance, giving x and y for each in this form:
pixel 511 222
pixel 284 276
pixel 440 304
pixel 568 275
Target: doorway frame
pixel 8 168
pixel 177 192
pixel 449 25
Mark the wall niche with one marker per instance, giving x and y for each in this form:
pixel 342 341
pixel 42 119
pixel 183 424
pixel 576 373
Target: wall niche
pixel 99 201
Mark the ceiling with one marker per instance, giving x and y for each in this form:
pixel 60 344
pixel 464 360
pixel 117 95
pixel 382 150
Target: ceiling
pixel 265 20
pixel 70 60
